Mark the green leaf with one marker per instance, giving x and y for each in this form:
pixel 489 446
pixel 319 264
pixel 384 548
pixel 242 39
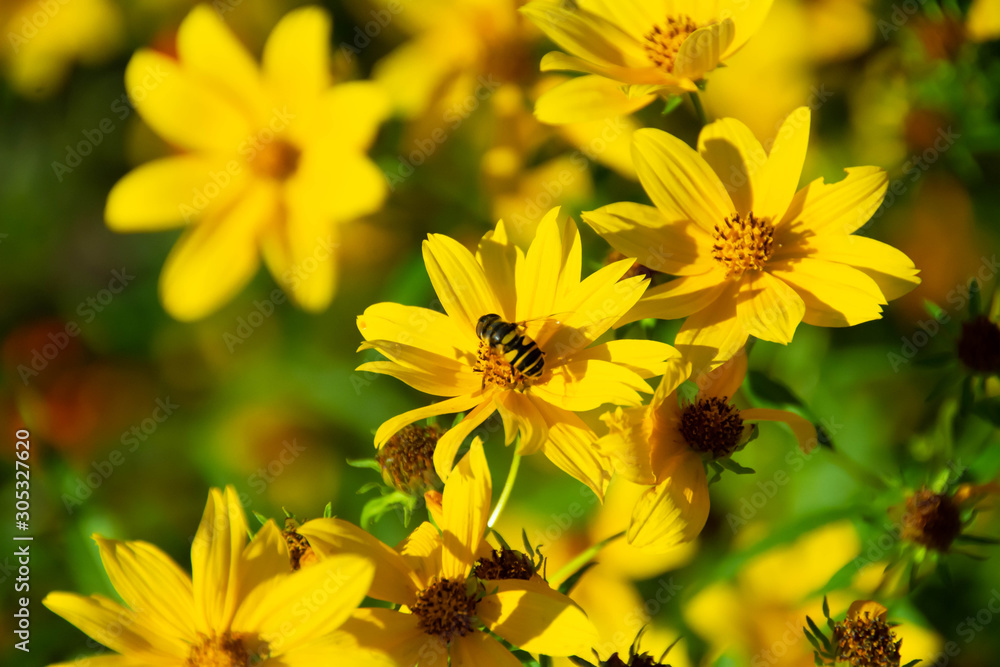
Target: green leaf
pixel 370 464
pixel 934 310
pixel 772 391
pixel 566 586
pixel 328 510
pixel 944 385
pixel 812 640
pixel 527 545
pixel 734 467
pixel 819 634
pixel 260 517
pixel 977 539
pixel 826 608
pixel 672 103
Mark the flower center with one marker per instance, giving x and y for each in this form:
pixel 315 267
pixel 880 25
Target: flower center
pixel 277 159
pixel 979 345
pixel 743 243
pixel 446 609
pixel 505 564
pixel 225 650
pixel 407 459
pixel 866 642
pixel 931 519
pixel 663 42
pixel 497 370
pixel 712 426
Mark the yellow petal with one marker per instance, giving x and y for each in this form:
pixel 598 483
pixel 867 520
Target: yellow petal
pixel 428 371
pixel 216 258
pixel 336 648
pixel 418 327
pixel 302 256
pixel 747 17
pixel 572 447
pixel 296 59
pixel 645 358
pixel 498 256
pixel 587 384
pixel 421 549
pixel 394 580
pixel 99 661
pixel 265 557
pixel 585 99
pixel 448 444
pixel 766 307
pixel 458 280
pixel 395 635
pixel 628 443
pixel 350 114
pixel 478 648
pixel 414 88
pixel 452 405
pixel 674 511
pixel 677 179
pixel 726 380
pixel 167 192
pixel 833 208
pixel 586 35
pixel 151 583
pixel 596 304
pixel 522 418
pixel 215 560
pixel 118 628
pixel 466 505
pixel 712 335
pixel 805 432
pixel 635 17
pixel 835 295
pixel 866 609
pixel 206 46
pixel 702 51
pixel 306 604
pixel 643 232
pixel 892 270
pixel 551 267
pixel 533 617
pixel 678 298
pixel 730 148
pixel 780 174
pixel 182 107
pixel 339 183
pixel 652 76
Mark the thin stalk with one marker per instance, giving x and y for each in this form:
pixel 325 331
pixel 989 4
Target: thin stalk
pixel 582 559
pixel 507 488
pixel 699 110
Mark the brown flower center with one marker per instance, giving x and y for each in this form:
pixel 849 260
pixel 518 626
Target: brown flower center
pixel 663 42
pixel 446 609
pixel 407 459
pixel 712 426
pixel 505 564
pixel 931 519
pixel 225 650
pixel 979 345
pixel 743 243
pixel 866 642
pixel 277 159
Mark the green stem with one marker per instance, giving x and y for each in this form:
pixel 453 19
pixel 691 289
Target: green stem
pixel 584 557
pixel 507 488
pixel 698 109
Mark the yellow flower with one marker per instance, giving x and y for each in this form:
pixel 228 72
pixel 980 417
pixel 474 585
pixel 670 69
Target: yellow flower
pixel 446 607
pixel 665 446
pixel 635 50
pixel 241 604
pixel 754 256
pixel 441 353
pixel 43 40
pixel 273 160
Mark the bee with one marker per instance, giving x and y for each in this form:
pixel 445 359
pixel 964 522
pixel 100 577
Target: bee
pixel 508 339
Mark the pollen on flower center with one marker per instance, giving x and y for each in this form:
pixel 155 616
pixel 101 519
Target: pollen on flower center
pixel 446 609
pixel 407 459
pixel 225 650
pixel 743 243
pixel 277 159
pixel 497 371
pixel 931 519
pixel 866 642
pixel 663 42
pixel 712 426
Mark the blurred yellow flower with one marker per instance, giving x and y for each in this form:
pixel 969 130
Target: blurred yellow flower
pixel 666 445
pixel 273 160
pixel 446 608
pixel 241 604
pixel 544 372
pixel 43 40
pixel 634 50
pixel 754 256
